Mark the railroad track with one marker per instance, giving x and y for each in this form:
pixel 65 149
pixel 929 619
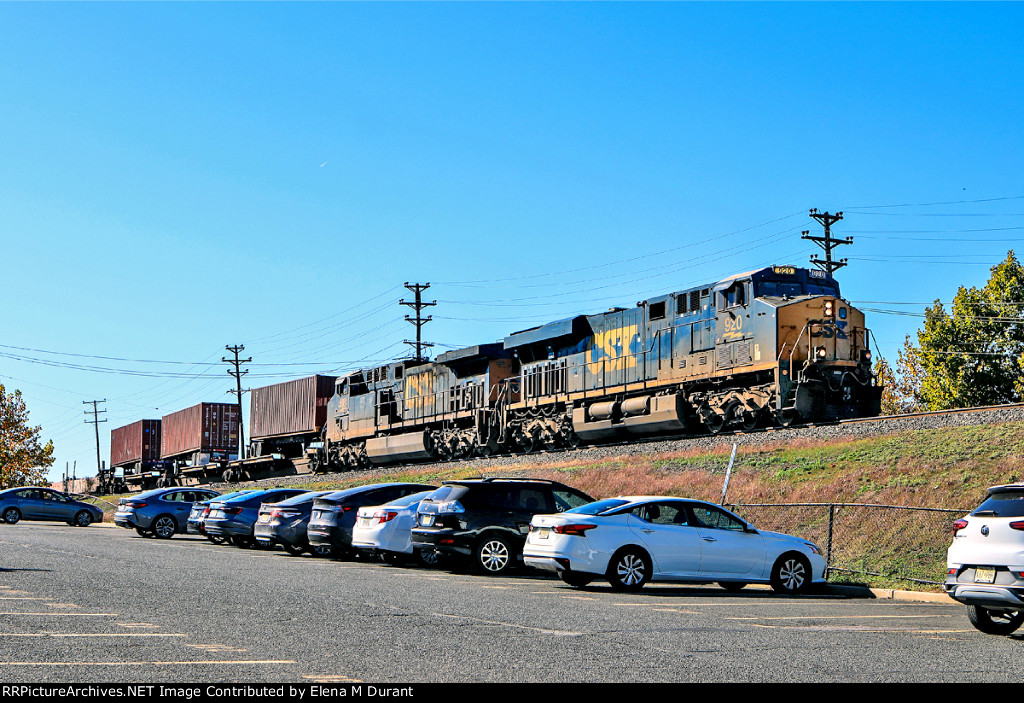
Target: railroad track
pixel 860 427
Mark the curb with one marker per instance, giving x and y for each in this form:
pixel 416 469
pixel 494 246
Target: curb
pixel 891 594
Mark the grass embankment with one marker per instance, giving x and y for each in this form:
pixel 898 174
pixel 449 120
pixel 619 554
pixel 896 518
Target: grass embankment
pixel 944 468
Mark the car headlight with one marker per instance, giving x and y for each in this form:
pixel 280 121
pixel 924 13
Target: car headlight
pixel 814 548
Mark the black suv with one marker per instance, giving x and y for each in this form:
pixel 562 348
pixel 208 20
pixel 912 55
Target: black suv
pixel 487 519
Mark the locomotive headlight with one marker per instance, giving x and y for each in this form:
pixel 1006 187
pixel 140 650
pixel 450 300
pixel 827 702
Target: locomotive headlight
pixel 829 308
pixel 820 352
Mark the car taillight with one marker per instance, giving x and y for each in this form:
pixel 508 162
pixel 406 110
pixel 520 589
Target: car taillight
pixel 578 530
pixel 1017 525
pixel 382 516
pixel 450 508
pixel 281 512
pixel 135 505
pixel 959 525
pixel 206 511
pixel 231 511
pixel 341 508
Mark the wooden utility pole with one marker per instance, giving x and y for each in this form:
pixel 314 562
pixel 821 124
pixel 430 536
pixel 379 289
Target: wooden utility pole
pixel 95 422
pixel 238 373
pixel 827 243
pixel 419 320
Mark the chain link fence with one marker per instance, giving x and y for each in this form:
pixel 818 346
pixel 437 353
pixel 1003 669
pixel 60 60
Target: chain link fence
pixel 890 541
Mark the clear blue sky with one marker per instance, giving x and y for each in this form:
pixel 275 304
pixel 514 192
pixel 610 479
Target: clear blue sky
pixel 175 178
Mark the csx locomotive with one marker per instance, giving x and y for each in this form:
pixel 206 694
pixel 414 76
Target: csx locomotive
pixel 775 345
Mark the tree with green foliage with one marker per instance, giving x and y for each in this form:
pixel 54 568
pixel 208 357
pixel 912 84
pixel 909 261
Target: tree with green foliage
pixel 974 355
pixel 23 460
pixel 901 388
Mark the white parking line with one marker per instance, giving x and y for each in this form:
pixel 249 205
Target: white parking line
pixel 832 617
pixel 515 626
pixel 221 662
pixel 94 634
pixel 66 615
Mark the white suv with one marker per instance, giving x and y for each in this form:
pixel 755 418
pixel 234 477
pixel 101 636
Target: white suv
pixel 985 562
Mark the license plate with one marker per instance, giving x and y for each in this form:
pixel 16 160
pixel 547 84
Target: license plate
pixel 364 522
pixel 543 533
pixel 427 520
pixel 264 519
pixel 317 513
pixel 217 513
pixel 984 576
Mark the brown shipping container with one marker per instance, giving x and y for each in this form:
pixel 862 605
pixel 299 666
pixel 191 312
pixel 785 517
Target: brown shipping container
pixel 207 427
pixel 139 441
pixel 293 407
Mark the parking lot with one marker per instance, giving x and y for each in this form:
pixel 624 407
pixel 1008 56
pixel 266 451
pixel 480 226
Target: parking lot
pixel 103 604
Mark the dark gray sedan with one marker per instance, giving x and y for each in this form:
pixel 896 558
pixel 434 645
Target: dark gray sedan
pixel 46 504
pixel 284 524
pixel 334 515
pixel 161 512
pixel 235 518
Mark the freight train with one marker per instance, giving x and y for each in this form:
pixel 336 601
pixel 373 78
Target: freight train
pixel 774 345
pixel 777 345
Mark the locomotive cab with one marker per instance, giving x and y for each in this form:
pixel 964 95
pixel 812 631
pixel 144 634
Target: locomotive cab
pixel 822 347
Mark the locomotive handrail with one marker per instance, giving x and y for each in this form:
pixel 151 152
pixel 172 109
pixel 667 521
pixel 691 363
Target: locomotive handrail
pixel 797 343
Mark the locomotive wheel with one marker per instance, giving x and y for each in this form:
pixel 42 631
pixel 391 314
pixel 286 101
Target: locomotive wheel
pixel 787 418
pixel 529 444
pixel 715 423
pixel 751 419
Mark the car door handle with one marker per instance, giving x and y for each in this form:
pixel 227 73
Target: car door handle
pixel 647 532
pixel 709 539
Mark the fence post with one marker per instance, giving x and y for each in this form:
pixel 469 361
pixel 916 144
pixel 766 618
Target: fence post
pixel 828 541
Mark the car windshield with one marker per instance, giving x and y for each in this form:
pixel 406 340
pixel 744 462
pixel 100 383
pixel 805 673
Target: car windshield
pixel 406 501
pixel 303 498
pixel 149 494
pixel 599 507
pixel 1002 504
pixel 449 492
pixel 338 496
pixel 226 496
pixel 242 497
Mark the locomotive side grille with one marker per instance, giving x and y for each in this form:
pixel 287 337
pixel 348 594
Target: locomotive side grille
pixel 743 356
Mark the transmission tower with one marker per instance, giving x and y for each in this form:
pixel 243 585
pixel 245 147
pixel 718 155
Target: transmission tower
pixel 238 373
pixel 827 243
pixel 95 422
pixel 419 320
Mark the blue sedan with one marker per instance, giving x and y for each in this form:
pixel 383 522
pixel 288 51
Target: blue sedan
pixel 46 504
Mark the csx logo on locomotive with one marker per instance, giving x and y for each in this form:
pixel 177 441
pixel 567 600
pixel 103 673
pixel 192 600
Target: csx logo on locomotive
pixel 612 352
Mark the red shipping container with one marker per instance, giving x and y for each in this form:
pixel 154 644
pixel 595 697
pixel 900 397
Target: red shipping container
pixel 206 427
pixel 139 441
pixel 292 407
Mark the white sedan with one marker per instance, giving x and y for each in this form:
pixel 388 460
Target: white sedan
pixel 386 530
pixel 631 540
